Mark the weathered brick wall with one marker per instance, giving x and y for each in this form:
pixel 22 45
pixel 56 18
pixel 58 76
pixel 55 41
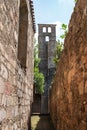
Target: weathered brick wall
pixel 16 84
pixel 68 94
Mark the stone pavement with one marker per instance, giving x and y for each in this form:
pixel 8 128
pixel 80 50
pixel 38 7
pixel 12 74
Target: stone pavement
pixel 41 122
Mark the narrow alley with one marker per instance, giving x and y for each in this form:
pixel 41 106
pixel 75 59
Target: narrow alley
pixel 53 94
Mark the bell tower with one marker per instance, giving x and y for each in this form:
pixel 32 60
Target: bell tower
pixel 47 45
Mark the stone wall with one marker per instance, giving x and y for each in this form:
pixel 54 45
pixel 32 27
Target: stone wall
pixel 16 80
pixel 68 94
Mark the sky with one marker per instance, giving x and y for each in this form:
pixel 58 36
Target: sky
pixel 53 12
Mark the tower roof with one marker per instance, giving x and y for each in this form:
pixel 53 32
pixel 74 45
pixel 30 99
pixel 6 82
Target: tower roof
pixel 46 24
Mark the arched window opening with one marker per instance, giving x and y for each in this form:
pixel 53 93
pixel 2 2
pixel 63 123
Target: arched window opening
pixel 47 38
pixel 23 29
pixel 49 29
pixel 44 29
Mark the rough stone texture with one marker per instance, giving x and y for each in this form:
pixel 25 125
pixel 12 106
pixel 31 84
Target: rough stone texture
pixel 16 83
pixel 47 44
pixel 68 94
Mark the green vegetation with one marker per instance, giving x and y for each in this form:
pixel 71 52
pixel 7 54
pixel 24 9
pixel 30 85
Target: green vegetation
pixel 38 77
pixel 64 28
pixel 58 52
pixel 60 44
pixel 75 1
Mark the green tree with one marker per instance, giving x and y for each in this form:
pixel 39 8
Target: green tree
pixel 75 1
pixel 38 77
pixel 64 28
pixel 58 52
pixel 39 81
pixel 36 59
pixel 60 44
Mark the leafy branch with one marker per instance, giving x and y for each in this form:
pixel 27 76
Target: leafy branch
pixel 38 77
pixel 60 44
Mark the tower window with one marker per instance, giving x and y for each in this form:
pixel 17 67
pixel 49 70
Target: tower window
pixel 49 29
pixel 44 29
pixel 47 38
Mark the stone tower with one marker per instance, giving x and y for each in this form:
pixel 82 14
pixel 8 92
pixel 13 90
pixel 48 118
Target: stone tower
pixel 47 44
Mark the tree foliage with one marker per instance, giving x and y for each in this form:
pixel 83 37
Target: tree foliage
pixel 38 77
pixel 75 1
pixel 64 28
pixel 60 44
pixel 39 81
pixel 58 52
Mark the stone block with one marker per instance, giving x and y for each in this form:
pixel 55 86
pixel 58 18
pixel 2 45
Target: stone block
pixel 4 71
pixel 5 128
pixel 86 108
pixel 16 36
pixel 86 87
pixel 81 88
pixel 2 114
pixel 20 93
pixel 8 88
pixel 10 101
pixel 83 125
pixel 70 97
pixel 10 112
pixel 15 100
pixel 10 127
pixel 2 85
pixel 15 126
pixel 1 26
pixel 0 98
pixel 16 111
pixel 85 67
pixel 4 100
